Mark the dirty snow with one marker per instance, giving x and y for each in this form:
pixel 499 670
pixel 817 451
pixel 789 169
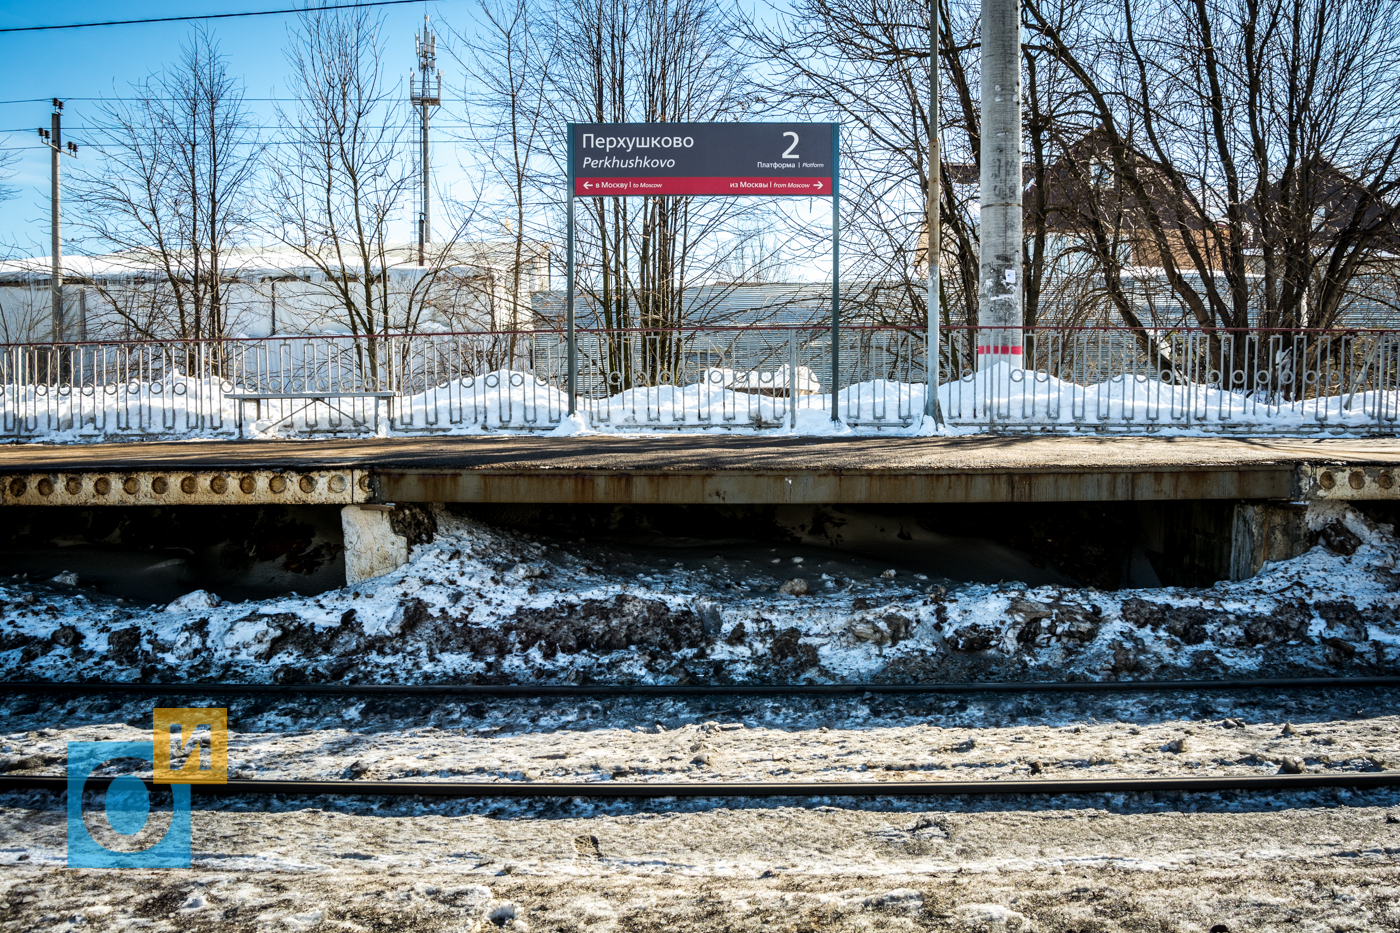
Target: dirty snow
pixel 1124 862
pixel 480 604
pixel 1321 862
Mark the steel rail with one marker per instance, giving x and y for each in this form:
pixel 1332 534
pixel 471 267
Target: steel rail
pixel 1037 787
pixel 530 691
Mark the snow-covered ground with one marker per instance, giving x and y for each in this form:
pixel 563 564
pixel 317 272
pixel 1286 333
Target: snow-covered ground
pixel 1315 860
pixel 479 604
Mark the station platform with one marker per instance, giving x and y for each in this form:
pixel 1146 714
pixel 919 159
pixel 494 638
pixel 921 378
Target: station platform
pixel 700 469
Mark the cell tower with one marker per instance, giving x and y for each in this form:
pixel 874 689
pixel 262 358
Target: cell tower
pixel 425 90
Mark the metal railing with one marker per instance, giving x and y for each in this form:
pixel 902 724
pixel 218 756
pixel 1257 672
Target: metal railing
pixel 1084 379
pixel 1119 379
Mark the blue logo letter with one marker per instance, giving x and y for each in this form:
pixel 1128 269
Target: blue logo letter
pixel 128 808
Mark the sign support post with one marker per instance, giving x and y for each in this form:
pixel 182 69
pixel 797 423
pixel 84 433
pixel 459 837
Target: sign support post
pixel 571 339
pixel 836 274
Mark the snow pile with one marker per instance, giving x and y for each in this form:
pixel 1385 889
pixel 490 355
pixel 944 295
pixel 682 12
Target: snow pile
pixel 509 400
pixel 763 382
pixel 1008 394
pixel 486 606
pixel 175 406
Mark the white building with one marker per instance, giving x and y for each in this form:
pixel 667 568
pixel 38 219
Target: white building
pixel 465 287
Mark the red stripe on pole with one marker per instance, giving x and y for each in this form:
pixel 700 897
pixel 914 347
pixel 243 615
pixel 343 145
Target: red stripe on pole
pixel 637 187
pixel 1002 349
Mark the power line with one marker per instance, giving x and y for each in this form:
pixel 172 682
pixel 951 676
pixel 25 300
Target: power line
pixel 68 98
pixel 186 19
pixel 168 100
pixel 406 141
pixel 397 126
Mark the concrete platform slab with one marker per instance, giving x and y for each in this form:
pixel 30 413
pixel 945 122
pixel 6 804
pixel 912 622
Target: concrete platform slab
pixel 717 469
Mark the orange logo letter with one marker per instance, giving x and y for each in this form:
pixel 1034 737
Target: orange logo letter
pixel 183 722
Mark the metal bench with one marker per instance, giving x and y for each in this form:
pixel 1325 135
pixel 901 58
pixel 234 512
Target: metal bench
pixel 311 398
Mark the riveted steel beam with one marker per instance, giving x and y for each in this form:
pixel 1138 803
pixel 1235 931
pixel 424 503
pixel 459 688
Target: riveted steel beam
pixel 348 486
pixel 1342 481
pixel 179 487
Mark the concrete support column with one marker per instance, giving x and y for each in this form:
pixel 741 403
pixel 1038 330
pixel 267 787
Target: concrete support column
pixel 999 275
pixel 1267 531
pixel 372 548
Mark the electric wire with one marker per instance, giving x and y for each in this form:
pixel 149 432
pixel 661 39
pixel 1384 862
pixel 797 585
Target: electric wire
pixel 408 142
pixel 206 16
pixel 166 100
pixel 394 126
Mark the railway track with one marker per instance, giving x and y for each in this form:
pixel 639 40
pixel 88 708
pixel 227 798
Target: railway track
pixel 477 789
pixel 624 789
pixel 685 690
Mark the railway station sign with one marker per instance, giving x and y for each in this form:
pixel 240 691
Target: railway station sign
pixel 630 160
pixel 638 159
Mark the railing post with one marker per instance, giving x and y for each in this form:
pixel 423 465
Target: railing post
pixel 11 385
pixel 792 377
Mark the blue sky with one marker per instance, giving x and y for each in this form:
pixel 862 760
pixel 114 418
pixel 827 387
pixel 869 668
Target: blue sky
pixel 87 63
pixel 81 64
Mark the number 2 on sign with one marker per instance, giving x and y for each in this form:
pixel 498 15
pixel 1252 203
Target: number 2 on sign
pixel 788 153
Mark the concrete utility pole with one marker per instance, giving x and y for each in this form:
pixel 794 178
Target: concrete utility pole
pixel 933 220
pixel 53 138
pixel 1000 294
pixel 426 101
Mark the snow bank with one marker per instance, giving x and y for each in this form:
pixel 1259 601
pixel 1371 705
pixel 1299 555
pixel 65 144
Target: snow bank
pixel 1000 397
pixel 481 605
pixel 1010 395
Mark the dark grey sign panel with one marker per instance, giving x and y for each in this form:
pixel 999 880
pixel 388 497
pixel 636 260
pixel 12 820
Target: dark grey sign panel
pixel 634 159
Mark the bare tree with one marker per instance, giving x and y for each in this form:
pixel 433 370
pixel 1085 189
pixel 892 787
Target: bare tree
pixel 509 60
pixel 172 191
pixel 1253 147
pixel 865 64
pixel 647 61
pixel 19 322
pixel 8 160
pixel 338 183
